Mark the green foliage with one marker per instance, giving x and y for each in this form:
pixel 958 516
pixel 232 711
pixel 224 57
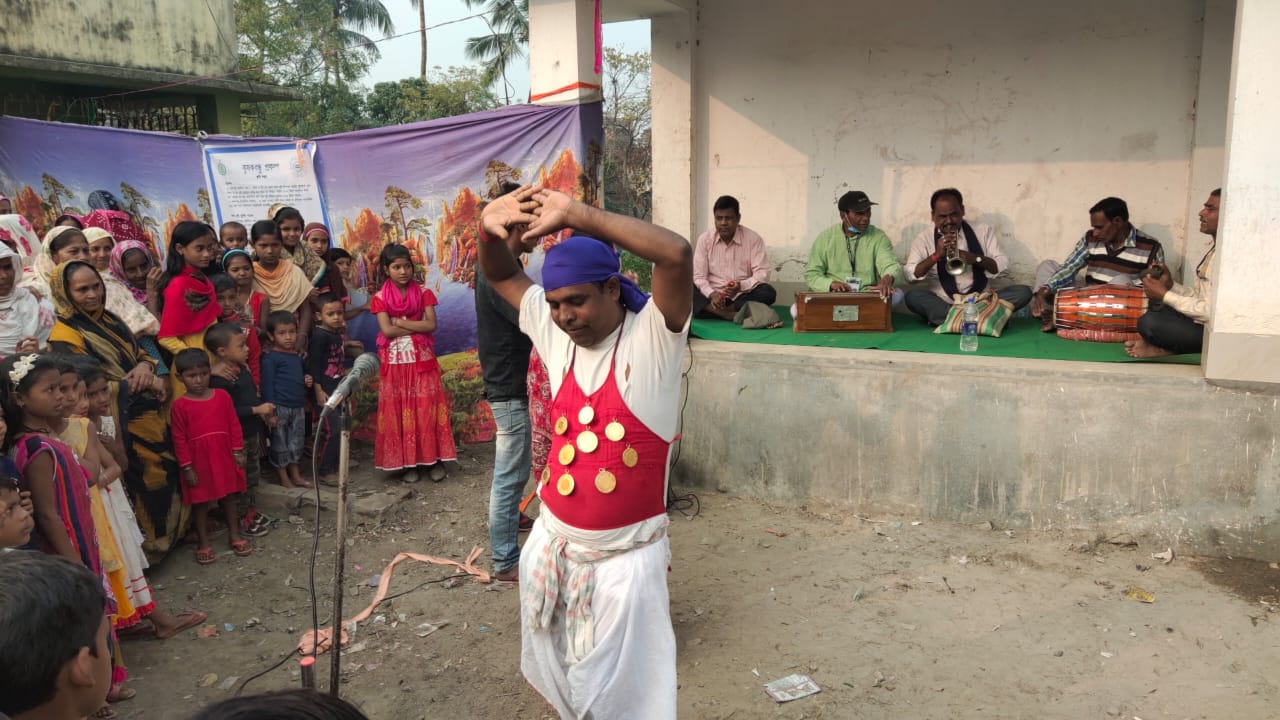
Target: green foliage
pixel 282 41
pixel 628 151
pixel 641 267
pixel 326 110
pixel 295 42
pixel 320 48
pixel 445 93
pixel 348 53
pixel 506 42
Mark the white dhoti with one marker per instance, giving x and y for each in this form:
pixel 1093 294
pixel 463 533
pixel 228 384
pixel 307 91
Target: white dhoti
pixel 628 669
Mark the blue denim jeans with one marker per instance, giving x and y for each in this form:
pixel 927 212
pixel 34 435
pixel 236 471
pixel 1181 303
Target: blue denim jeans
pixel 288 436
pixel 512 458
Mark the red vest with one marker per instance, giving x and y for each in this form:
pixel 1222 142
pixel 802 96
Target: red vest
pixel 606 469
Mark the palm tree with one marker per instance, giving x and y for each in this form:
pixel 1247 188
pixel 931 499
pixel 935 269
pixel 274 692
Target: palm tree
pixel 347 22
pixel 422 29
pixel 506 42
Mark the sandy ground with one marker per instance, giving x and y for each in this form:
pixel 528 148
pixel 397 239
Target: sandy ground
pixel 892 619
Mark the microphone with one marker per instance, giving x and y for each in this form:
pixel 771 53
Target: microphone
pixel 365 366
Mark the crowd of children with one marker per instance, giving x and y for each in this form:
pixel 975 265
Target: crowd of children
pixel 249 324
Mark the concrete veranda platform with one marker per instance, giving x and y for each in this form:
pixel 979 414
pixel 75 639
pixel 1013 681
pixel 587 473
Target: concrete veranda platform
pixel 1144 448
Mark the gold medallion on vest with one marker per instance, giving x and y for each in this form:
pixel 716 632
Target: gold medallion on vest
pixel 585 443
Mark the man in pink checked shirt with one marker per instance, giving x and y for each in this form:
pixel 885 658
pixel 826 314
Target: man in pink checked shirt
pixel 730 266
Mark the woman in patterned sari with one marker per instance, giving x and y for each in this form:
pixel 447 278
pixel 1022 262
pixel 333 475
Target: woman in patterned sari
pixel 152 477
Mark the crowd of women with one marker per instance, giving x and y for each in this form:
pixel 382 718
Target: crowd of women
pixel 96 336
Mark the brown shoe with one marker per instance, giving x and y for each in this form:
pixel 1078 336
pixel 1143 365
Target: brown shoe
pixel 511 574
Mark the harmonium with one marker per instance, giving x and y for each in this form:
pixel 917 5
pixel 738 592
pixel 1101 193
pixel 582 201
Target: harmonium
pixel 842 312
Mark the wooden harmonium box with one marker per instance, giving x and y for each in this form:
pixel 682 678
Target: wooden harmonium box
pixel 842 312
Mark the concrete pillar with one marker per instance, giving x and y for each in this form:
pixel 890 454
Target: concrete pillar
pixel 219 113
pixel 673 40
pixel 562 52
pixel 1244 330
pixel 1207 149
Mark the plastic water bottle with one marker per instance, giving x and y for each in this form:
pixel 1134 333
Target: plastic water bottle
pixel 969 328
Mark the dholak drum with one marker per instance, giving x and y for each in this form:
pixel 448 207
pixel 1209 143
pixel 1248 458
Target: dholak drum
pixel 1099 313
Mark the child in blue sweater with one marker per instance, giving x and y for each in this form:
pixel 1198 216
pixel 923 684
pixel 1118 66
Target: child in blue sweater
pixel 285 384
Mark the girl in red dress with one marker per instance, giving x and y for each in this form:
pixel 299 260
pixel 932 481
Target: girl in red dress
pixel 210 450
pixel 413 413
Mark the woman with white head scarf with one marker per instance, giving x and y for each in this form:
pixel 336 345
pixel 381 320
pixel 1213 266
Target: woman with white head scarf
pixel 25 320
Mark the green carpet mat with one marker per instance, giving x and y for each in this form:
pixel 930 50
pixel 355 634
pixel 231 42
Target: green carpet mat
pixel 1021 339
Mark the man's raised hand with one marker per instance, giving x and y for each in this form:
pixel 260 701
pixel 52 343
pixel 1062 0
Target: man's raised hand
pixel 514 208
pixel 552 212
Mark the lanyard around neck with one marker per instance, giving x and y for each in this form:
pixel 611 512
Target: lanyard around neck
pixel 851 244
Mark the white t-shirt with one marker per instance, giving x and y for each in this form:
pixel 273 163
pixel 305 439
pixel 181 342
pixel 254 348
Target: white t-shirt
pixel 654 354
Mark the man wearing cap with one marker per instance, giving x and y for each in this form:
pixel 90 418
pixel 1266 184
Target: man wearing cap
pixel 854 255
pixel 595 621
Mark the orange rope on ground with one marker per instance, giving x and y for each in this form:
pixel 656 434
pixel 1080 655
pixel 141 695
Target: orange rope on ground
pixel 308 646
pixel 524 504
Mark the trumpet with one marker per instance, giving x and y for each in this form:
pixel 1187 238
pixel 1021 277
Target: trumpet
pixel 954 264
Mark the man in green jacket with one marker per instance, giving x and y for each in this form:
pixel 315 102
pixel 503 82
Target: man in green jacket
pixel 854 255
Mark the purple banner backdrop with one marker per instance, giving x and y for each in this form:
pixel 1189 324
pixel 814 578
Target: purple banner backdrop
pixel 49 168
pixel 419 184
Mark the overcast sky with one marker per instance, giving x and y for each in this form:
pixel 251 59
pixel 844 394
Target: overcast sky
pixel 400 56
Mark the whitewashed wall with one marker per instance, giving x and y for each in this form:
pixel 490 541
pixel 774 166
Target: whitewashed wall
pixel 1034 110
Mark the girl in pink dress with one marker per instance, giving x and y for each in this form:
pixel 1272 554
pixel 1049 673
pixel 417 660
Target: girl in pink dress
pixel 413 412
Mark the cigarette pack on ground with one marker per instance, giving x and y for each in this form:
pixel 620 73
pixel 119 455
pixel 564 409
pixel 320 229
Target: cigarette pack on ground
pixel 791 687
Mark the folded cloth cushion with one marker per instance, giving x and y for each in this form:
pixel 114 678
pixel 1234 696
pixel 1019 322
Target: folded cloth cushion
pixel 755 315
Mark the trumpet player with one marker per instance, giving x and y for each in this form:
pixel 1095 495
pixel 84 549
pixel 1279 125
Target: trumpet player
pixel 955 258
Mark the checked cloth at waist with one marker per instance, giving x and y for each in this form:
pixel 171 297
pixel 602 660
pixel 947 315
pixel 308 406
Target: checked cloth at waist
pixel 551 581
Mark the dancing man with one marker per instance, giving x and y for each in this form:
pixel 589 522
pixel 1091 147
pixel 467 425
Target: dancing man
pixel 596 627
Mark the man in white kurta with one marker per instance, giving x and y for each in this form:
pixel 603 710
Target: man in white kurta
pixel 597 640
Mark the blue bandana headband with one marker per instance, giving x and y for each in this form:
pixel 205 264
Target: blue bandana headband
pixel 582 259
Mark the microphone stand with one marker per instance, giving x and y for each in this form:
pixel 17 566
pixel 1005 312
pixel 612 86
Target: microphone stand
pixel 340 558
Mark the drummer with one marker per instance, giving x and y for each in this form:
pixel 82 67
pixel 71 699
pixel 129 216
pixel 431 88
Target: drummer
pixel 1113 251
pixel 854 255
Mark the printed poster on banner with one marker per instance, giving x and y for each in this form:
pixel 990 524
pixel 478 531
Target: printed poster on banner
pixel 246 181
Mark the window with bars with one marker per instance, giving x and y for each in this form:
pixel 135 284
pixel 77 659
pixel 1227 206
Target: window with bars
pixel 174 114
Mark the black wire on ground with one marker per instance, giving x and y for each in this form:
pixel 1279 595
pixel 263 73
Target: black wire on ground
pixel 682 503
pixel 251 678
pixel 311 582
pixel 315 547
pixel 295 651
